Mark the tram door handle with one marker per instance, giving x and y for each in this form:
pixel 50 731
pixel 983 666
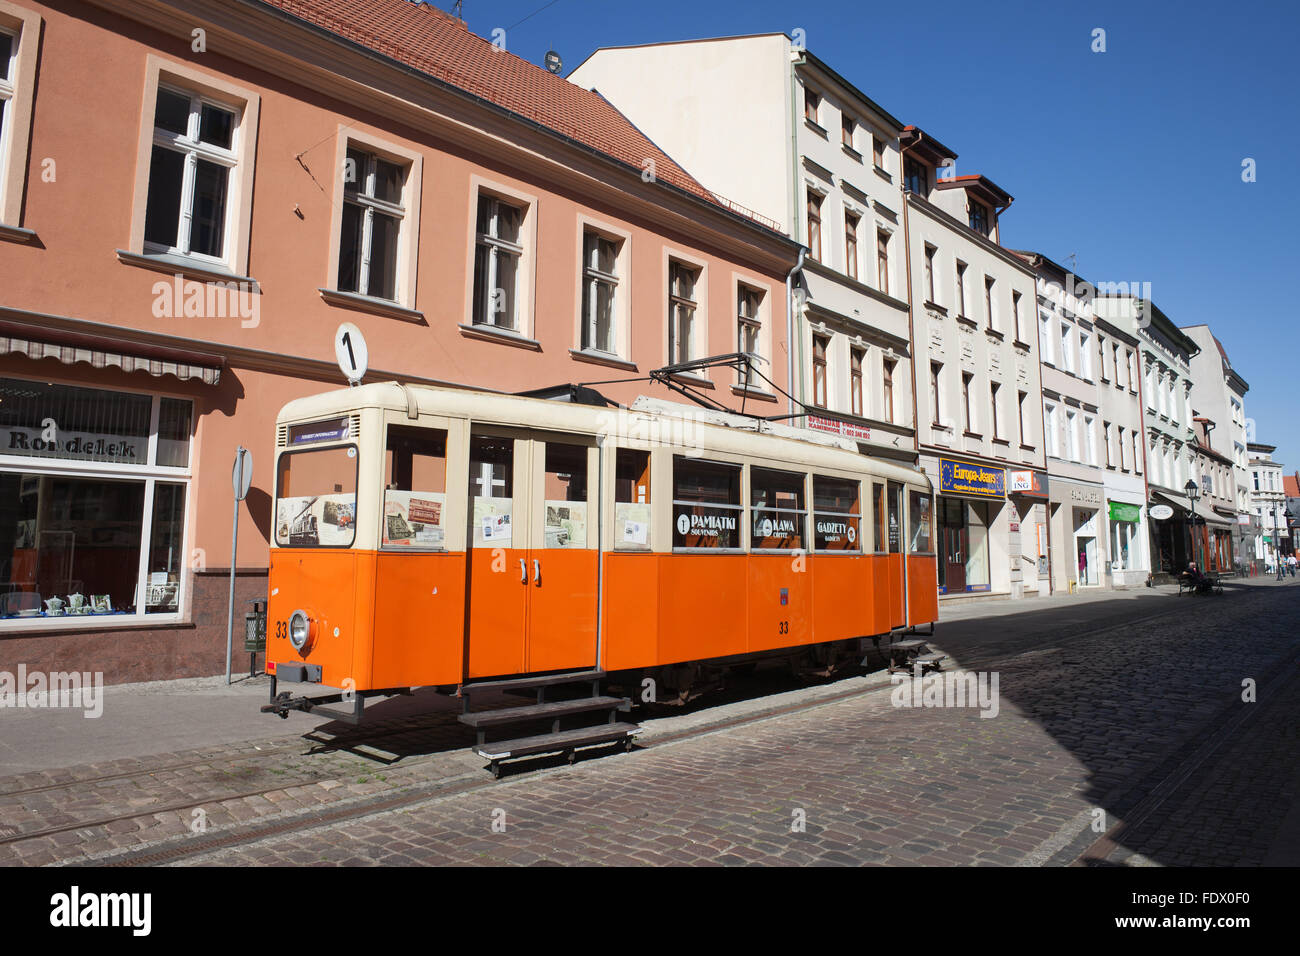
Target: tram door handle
pixel 523 572
pixel 537 572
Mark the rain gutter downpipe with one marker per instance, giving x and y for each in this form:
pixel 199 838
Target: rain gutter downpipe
pixel 789 325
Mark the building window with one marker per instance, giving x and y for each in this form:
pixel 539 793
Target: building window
pixel 820 344
pixel 1072 434
pixel 1020 412
pixel 812 104
pixel 497 255
pixel 373 215
pixel 1105 432
pixel 194 154
pixel 1053 430
pixel 1067 347
pixel 979 218
pixel 961 289
pixel 1085 355
pixel 988 302
pixel 1137 453
pixel 1045 344
pixel 935 369
pixel 887 382
pixel 1090 439
pixel 681 306
pixel 1016 317
pixel 815 225
pixel 878 152
pixel 1119 444
pixel 916 177
pixel 929 273
pixel 1132 371
pixel 847 130
pixel 20 32
pixel 967 419
pixel 856 356
pixel 748 302
pixel 599 288
pixel 995 410
pixel 882 261
pixel 851 244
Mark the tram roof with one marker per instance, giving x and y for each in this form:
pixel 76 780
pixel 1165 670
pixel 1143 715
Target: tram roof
pixel 718 431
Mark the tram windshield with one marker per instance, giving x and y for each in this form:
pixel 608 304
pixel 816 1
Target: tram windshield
pixel 316 498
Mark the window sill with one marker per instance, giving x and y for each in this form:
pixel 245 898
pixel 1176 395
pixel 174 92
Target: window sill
pixel 816 128
pixel 189 268
pixel 699 380
pixel 883 174
pixel 1021 345
pixel 853 153
pixel 972 435
pixel 964 320
pixel 755 393
pixel 602 358
pixel 1024 447
pixel 368 303
pixel 17 233
pixel 490 333
pixel 936 307
pixel 995 334
pixel 1001 441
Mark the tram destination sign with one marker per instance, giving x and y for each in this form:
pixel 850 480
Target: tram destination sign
pixel 972 481
pixel 331 430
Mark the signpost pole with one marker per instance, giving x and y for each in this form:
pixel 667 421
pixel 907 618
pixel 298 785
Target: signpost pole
pixel 241 477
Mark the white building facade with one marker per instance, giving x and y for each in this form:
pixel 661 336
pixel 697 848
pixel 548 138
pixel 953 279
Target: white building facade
pixel 1267 502
pixel 776 131
pixel 979 411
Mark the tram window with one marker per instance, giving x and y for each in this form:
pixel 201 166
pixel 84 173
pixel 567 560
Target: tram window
pixel 415 487
pixel 632 499
pixel 566 496
pixel 491 484
pixel 837 515
pixel 878 517
pixel 777 510
pixel 706 504
pixel 920 516
pixel 316 498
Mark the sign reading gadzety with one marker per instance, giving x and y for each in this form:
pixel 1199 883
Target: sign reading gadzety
pixel 50 442
pixel 964 478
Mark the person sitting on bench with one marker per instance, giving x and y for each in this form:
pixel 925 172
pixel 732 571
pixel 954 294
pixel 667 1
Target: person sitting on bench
pixel 1198 582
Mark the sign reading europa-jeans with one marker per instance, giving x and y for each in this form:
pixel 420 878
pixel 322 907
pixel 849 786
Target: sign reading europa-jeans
pixel 963 478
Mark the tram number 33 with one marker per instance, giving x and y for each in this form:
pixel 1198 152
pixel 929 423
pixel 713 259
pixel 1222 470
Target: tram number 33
pixel 281 629
pixel 783 627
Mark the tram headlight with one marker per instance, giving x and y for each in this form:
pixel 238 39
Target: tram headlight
pixel 300 630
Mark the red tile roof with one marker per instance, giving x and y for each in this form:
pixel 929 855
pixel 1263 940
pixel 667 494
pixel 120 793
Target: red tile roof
pixel 436 43
pixel 1291 485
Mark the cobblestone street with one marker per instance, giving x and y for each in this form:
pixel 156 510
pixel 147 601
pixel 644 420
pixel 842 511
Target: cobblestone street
pixel 1120 737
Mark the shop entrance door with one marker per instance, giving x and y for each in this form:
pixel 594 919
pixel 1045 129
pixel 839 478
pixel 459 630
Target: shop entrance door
pixel 953 541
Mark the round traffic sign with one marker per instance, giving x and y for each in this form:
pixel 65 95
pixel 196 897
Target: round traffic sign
pixel 351 352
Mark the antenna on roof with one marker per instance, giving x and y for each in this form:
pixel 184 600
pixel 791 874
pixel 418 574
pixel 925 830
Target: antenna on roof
pixel 456 9
pixel 1073 260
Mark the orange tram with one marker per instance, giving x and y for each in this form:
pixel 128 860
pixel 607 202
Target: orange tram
pixel 462 540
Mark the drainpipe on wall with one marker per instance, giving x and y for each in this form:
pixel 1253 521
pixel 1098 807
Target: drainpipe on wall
pixel 797 59
pixel 789 326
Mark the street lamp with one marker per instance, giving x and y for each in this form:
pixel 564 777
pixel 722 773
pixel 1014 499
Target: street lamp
pixel 1193 492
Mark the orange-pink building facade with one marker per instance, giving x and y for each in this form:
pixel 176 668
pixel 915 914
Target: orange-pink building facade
pixel 193 197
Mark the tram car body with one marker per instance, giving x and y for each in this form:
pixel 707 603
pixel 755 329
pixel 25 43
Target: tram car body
pixel 432 536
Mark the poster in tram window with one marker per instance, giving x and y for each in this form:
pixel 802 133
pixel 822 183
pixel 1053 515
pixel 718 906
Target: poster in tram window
pixel 492 526
pixel 414 519
pixel 632 525
pixel 566 524
pixel 316 521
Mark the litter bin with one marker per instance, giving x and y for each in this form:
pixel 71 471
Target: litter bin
pixel 255 634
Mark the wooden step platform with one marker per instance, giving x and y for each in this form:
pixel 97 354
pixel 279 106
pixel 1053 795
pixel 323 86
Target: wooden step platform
pixel 566 742
pixel 549 711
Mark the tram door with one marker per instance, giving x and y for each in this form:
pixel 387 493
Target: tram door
pixel 532 562
pixel 896 559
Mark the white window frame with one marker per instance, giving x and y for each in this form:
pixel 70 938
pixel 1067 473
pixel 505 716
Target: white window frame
pixel 700 318
pixel 759 322
pixel 17 88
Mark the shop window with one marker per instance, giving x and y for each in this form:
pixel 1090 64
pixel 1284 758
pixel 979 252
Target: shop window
pixel 565 496
pixel 920 518
pixel 837 514
pixel 632 499
pixel 415 488
pixel 706 504
pixel 316 498
pixel 162 585
pixel 776 509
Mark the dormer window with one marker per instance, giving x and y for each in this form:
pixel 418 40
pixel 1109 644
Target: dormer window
pixel 916 177
pixel 979 218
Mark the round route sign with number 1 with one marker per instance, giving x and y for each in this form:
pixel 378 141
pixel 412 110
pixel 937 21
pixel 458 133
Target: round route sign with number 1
pixel 350 350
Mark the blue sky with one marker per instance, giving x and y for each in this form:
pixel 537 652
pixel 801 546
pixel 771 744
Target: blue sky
pixel 1129 159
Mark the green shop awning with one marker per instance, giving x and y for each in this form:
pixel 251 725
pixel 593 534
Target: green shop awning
pixel 1121 511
